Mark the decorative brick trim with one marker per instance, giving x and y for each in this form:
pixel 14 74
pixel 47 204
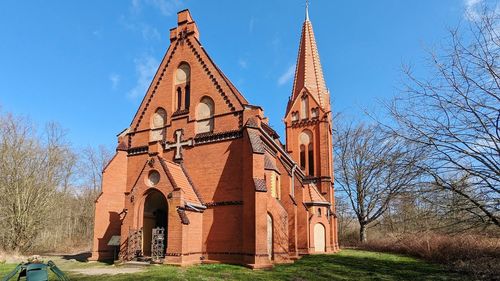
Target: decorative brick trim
pixel 223 203
pixel 155 88
pixel 180 112
pixel 304 123
pixel 167 171
pixel 173 254
pixel 210 75
pixel 191 183
pixel 138 150
pixel 205 138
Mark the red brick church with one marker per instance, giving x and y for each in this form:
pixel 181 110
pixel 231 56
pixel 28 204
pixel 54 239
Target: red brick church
pixel 202 163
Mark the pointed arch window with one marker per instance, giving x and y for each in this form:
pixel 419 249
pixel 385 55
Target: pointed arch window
pixel 306 152
pixel 302 157
pixel 205 116
pixel 310 160
pixel 157 125
pixel 304 107
pixel 182 87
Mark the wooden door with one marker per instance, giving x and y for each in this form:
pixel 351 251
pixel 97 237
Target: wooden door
pixel 319 238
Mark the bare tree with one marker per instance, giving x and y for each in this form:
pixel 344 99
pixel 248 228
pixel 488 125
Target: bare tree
pixel 371 168
pixel 92 163
pixel 31 171
pixel 346 219
pixel 455 115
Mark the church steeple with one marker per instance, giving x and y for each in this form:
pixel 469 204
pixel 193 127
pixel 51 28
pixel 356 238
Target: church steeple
pixel 308 73
pixel 308 118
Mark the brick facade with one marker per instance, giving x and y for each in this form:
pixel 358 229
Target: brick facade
pixel 213 172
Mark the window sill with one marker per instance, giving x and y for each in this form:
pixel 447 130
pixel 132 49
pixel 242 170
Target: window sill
pixel 180 112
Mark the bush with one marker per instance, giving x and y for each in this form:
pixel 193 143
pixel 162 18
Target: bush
pixel 478 255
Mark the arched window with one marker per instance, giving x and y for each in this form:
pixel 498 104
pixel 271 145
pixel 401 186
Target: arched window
pixel 302 157
pixel 187 97
pixel 205 116
pixel 319 212
pixel 182 86
pixel 304 107
pixel 315 112
pixel 157 124
pixel 179 98
pixel 306 152
pixel 311 159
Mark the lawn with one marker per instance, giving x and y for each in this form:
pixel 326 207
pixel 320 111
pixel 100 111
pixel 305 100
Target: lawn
pixel 346 265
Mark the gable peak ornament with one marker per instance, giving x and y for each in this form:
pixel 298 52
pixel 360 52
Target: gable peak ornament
pixel 178 144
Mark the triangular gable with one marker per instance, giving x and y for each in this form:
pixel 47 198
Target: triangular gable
pixel 292 103
pixel 227 91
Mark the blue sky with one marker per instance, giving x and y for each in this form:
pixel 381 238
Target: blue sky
pixel 87 64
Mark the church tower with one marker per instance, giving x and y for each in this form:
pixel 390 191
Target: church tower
pixel 308 118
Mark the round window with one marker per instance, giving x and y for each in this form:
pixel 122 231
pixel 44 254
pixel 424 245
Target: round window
pixel 153 178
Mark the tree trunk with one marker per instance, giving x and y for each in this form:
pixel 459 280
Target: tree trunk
pixel 362 233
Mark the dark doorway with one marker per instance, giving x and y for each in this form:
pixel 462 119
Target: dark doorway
pixel 155 215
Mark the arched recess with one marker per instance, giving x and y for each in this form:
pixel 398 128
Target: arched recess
pixel 304 107
pixel 306 148
pixel 155 214
pixel 157 125
pixel 182 84
pixel 205 115
pixel 319 238
pixel 270 248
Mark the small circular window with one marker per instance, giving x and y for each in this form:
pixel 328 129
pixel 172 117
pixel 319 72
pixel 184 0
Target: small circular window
pixel 153 178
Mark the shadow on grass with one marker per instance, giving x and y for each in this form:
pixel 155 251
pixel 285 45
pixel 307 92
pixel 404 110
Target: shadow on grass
pixel 360 265
pixel 81 257
pixel 346 265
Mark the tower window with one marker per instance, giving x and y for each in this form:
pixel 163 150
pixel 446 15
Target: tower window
pixel 302 157
pixel 310 155
pixel 306 152
pixel 304 107
pixel 315 113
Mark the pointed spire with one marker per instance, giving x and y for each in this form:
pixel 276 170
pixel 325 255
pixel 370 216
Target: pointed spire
pixel 308 73
pixel 307 10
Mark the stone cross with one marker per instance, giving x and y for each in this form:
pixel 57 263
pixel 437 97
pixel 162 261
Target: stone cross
pixel 178 144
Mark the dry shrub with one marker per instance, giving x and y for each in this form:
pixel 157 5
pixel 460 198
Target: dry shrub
pixel 478 255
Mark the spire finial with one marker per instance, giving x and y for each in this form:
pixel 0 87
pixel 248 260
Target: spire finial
pixel 307 10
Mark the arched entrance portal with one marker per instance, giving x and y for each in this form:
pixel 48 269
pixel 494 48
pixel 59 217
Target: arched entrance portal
pixel 319 238
pixel 155 215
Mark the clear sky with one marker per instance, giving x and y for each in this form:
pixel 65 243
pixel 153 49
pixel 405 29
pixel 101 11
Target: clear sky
pixel 87 64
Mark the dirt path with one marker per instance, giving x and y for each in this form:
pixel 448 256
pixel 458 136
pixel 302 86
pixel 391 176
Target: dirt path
pixel 109 271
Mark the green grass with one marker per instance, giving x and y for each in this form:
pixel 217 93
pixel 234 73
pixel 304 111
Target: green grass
pixel 346 265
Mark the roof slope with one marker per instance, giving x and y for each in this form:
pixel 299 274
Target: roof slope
pixel 312 195
pixel 308 72
pixel 180 179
